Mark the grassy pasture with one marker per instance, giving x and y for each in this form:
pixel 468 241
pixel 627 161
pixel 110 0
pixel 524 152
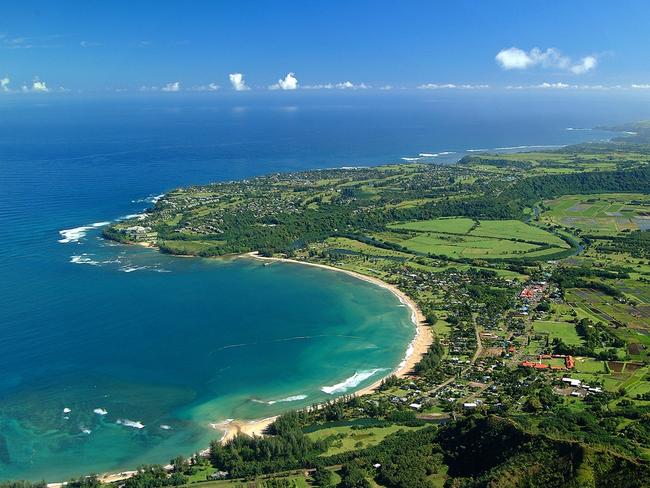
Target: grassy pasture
pixel 589 365
pixel 466 247
pixel 516 229
pixel 561 330
pixel 350 439
pixel 467 238
pixel 454 225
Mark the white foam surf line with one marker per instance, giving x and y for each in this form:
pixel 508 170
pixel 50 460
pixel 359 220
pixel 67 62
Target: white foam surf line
pixel 150 199
pixel 74 235
pixel 136 424
pixel 410 159
pixel 292 398
pixel 139 216
pixel 353 381
pixel 131 269
pixel 84 259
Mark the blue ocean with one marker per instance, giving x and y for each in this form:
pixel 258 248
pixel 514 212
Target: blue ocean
pixel 112 356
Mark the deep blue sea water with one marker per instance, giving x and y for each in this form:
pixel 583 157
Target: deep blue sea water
pixel 145 350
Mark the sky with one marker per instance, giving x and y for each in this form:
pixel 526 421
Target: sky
pixel 244 46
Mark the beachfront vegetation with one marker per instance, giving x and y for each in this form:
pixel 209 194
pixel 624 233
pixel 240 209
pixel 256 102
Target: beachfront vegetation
pixel 533 272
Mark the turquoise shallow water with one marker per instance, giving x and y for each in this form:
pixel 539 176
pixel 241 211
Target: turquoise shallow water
pixel 175 344
pixel 170 344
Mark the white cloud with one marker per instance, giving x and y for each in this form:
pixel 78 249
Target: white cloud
pixel 172 87
pixel 515 58
pixel 435 86
pixel 386 87
pixel 37 86
pixel 290 82
pixel 586 64
pixel 322 86
pixel 4 84
pixel 451 86
pixel 640 86
pixel 206 88
pixel 237 81
pixel 40 86
pixel 557 85
pixel 348 85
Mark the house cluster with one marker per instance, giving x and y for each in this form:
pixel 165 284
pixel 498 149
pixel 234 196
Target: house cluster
pixel 534 291
pixel 139 233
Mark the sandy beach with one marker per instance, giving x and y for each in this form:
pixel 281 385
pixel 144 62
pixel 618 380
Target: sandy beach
pixel 420 344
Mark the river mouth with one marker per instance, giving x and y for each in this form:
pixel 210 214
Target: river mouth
pixel 159 348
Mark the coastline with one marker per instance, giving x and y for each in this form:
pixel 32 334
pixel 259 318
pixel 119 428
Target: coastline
pixel 417 348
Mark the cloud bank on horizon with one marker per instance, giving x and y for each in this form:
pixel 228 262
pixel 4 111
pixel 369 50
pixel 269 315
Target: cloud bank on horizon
pixel 226 49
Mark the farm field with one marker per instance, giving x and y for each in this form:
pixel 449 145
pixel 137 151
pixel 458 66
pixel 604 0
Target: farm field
pixel 602 214
pixel 475 239
pixel 607 309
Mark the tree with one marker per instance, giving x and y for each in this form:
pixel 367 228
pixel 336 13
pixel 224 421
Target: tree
pixel 353 477
pixel 323 477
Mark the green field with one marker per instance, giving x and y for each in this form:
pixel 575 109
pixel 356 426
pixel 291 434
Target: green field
pixel 589 365
pixel 299 480
pixel 603 214
pixel 345 438
pixel 561 330
pixel 453 225
pixel 475 239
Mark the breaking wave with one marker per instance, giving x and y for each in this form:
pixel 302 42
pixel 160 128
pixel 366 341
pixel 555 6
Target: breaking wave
pixel 74 235
pixel 293 398
pixel 130 423
pixel 355 380
pixel 84 259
